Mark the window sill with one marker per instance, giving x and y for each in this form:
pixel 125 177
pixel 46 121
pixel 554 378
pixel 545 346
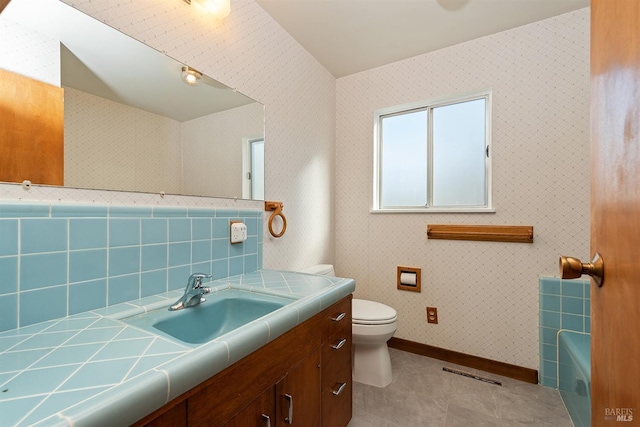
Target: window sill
pixel 432 211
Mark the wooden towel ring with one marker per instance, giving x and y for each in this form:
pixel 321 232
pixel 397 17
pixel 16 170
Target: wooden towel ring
pixel 276 207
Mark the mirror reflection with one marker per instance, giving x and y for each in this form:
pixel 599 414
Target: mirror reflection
pixel 131 121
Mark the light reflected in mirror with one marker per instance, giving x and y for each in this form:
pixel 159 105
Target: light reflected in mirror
pixel 130 122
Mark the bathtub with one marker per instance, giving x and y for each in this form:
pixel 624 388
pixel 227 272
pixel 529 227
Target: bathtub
pixel 574 375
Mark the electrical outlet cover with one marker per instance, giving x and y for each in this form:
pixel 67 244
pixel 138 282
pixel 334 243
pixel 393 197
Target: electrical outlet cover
pixel 238 232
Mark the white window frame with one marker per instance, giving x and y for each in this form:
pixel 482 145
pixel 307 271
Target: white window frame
pixel 429 105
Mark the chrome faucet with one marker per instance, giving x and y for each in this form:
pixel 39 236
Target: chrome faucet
pixel 193 292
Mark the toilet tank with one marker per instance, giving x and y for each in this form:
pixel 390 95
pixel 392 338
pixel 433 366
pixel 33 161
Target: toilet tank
pixel 322 269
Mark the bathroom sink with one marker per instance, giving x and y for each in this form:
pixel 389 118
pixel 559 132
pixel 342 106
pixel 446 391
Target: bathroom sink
pixel 221 313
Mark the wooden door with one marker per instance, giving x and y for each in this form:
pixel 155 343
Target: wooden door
pixel 31 130
pixel 615 211
pixel 300 388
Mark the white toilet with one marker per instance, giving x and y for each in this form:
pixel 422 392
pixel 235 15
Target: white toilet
pixel 372 326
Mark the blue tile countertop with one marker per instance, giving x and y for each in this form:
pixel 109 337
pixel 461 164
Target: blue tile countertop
pixel 92 369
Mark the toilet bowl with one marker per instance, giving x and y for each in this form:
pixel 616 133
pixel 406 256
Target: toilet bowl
pixel 373 324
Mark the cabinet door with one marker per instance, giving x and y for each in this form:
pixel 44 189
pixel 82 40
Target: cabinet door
pixel 260 413
pixel 298 394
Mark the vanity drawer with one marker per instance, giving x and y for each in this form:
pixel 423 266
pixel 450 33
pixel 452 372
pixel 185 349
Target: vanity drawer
pixel 337 399
pixel 336 358
pixel 336 317
pixel 336 378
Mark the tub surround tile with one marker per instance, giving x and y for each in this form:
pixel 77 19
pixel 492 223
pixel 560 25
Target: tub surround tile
pixel 572 305
pixel 572 289
pixel 564 305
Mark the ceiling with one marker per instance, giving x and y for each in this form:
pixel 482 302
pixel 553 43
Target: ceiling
pixel 349 36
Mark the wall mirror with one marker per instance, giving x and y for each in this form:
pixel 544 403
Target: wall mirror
pixel 131 122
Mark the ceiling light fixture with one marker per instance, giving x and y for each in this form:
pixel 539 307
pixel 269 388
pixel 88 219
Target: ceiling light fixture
pixel 190 76
pixel 218 8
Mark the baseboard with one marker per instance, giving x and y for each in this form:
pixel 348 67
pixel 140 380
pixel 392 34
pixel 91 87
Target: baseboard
pixel 475 362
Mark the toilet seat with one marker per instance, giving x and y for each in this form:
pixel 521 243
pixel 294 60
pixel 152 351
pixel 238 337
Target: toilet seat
pixel 366 312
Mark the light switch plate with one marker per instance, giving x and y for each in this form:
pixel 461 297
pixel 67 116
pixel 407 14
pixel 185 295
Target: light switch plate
pixel 238 232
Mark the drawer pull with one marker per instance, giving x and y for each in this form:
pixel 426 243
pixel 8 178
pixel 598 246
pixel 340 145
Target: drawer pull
pixel 338 346
pixel 339 317
pixel 289 399
pixel 266 420
pixel 339 390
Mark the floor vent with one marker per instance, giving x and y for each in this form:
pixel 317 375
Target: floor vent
pixel 468 375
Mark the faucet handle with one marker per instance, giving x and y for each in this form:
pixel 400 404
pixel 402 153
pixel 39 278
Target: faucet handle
pixel 196 279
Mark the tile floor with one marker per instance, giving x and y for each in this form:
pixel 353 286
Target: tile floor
pixel 422 394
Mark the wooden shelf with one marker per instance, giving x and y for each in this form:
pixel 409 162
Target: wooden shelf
pixel 485 233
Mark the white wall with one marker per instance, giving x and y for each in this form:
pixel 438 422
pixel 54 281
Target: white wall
pixel 486 293
pixel 252 53
pixel 212 150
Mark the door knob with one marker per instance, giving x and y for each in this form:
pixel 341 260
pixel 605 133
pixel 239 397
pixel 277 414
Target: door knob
pixel 572 268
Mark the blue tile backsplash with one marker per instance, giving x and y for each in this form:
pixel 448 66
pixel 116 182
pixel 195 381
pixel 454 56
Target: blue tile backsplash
pixel 59 259
pixel 564 304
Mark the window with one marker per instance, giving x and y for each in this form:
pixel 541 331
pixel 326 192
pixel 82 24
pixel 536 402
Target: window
pixel 253 168
pixel 434 156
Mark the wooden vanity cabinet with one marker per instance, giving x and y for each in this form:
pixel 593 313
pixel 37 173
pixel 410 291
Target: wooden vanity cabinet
pixel 301 363
pixel 336 367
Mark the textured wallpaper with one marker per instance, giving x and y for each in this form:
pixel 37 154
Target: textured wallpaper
pixel 252 53
pixel 486 293
pixel 137 149
pixel 29 53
